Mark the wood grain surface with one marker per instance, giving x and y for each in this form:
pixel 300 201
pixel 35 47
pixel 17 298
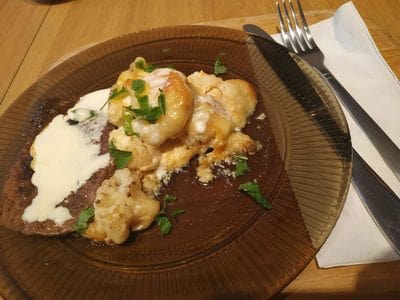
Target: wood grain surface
pixel 34 36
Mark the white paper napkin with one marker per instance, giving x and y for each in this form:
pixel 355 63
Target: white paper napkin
pixel 353 58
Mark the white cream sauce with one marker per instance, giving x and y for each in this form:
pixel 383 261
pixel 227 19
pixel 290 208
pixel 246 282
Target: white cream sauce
pixel 156 81
pixel 65 157
pixel 200 118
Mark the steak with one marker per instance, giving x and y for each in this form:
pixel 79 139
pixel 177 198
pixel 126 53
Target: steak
pixel 18 190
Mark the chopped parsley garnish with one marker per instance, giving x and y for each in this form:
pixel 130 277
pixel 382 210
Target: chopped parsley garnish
pixel 104 105
pixel 115 93
pixel 219 68
pixel 149 68
pixel 161 101
pixel 150 114
pixel 144 102
pixel 121 158
pixel 93 114
pixel 164 223
pixel 169 198
pixel 128 118
pixel 253 190
pixel 153 114
pixel 178 211
pixel 241 165
pixel 138 86
pixel 140 64
pixel 164 218
pixel 85 217
pixel 80 115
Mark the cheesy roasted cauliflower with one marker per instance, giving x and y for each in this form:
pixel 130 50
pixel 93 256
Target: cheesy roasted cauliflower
pixel 121 207
pixel 164 120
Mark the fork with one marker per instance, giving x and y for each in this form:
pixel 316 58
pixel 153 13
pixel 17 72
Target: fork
pixel 382 203
pixel 297 38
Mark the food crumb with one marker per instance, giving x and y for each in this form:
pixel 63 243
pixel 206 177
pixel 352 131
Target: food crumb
pixel 261 116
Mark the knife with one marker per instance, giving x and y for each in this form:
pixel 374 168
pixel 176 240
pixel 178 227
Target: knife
pixel 381 141
pixel 381 202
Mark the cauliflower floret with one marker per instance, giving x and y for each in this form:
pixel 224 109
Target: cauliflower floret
pixel 121 207
pixel 237 143
pixel 144 157
pixel 237 97
pixel 203 82
pixel 179 107
pixel 217 128
pixel 209 124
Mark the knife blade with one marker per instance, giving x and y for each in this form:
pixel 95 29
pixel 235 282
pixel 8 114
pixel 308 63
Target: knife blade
pixel 381 141
pixel 381 202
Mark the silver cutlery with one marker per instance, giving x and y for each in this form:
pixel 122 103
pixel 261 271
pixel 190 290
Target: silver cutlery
pixel 380 200
pixel 297 38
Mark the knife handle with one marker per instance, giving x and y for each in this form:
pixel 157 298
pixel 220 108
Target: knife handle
pixel 385 146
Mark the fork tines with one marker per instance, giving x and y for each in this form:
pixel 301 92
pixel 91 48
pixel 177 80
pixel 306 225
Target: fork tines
pixel 295 35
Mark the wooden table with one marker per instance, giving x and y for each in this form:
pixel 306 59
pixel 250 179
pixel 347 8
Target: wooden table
pixel 35 36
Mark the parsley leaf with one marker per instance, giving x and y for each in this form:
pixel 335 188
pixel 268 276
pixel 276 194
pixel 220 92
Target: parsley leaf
pixel 85 217
pixel 115 93
pixel 241 165
pixel 178 211
pixel 128 118
pixel 161 101
pixel 150 114
pixel 149 68
pixel 144 102
pixel 121 158
pixel 140 64
pixel 138 86
pixel 144 107
pixel 253 190
pixel 104 105
pixel 219 68
pixel 93 114
pixel 164 223
pixel 164 218
pixel 153 115
pixel 169 198
pixel 81 115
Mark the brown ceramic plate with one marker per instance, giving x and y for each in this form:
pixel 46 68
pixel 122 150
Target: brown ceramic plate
pixel 224 245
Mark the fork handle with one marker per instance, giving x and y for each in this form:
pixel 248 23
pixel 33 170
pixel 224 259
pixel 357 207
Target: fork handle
pixel 385 146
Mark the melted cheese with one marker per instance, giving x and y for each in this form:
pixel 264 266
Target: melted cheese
pixel 64 158
pixel 121 207
pixel 203 112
